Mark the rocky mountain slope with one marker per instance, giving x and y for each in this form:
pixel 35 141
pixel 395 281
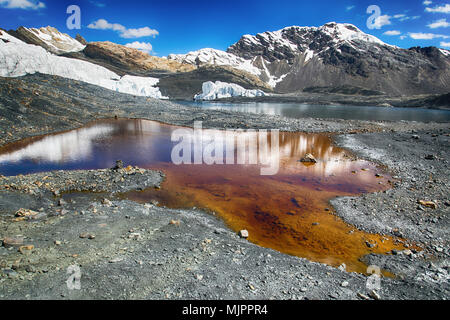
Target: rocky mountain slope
pixel 295 58
pixel 185 86
pixel 49 38
pixel 128 60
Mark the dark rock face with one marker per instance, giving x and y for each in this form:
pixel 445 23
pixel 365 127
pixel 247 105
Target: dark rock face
pixel 340 54
pixel 23 34
pixel 81 40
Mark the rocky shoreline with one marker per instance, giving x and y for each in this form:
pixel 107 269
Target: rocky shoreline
pixel 127 250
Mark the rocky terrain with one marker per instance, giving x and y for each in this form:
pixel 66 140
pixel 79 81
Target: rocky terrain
pixel 355 96
pixel 124 60
pixel 125 250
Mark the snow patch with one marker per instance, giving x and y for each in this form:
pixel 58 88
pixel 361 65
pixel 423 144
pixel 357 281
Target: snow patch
pixel 9 38
pixel 19 59
pixel 221 90
pixel 445 52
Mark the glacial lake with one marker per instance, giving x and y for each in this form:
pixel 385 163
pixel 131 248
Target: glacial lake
pixel 288 211
pixel 297 111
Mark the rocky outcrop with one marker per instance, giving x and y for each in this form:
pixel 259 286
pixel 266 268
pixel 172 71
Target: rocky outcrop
pixel 131 60
pixel 81 40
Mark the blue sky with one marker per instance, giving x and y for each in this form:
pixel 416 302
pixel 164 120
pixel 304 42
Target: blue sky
pixel 175 26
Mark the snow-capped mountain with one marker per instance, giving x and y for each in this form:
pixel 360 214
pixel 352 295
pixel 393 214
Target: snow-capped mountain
pixel 49 38
pixel 215 57
pixel 295 58
pixel 18 59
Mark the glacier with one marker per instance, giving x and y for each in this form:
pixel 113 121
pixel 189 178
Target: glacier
pixel 221 90
pixel 19 59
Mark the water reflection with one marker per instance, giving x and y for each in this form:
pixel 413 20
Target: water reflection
pixel 298 111
pixel 285 212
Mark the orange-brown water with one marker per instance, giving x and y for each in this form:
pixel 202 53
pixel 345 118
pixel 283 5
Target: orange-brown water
pixel 288 212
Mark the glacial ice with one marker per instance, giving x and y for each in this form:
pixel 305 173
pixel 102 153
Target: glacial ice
pixel 221 90
pixel 19 59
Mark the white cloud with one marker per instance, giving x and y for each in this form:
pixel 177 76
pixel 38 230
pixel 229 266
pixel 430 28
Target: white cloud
pixel 102 24
pixel 427 2
pixel 403 37
pixel 439 24
pixel 381 21
pixel 142 46
pixel 349 8
pixel 427 36
pixel 22 4
pixel 439 9
pixel 404 17
pixel 98 4
pixel 445 44
pixel 392 33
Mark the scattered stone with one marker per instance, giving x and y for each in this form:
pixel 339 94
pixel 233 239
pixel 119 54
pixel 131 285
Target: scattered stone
pixel 175 222
pixel 370 245
pixel 428 204
pixel 244 234
pixel 407 253
pixel 107 203
pixel 26 249
pixel 58 243
pixel 373 294
pixel 134 236
pixel 363 296
pixel 12 242
pixel 415 137
pixel 308 158
pixel 119 165
pixel 343 267
pixel 61 202
pixel 10 273
pixel 344 284
pixel 23 213
pixel 316 224
pixel 430 157
pixel 87 236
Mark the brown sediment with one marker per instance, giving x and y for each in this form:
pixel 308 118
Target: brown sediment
pixel 288 212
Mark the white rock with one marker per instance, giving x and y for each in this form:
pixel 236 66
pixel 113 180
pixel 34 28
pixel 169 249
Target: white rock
pixel 243 234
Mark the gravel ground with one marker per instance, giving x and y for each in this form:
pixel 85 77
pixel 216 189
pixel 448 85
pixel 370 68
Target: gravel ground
pixel 127 250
